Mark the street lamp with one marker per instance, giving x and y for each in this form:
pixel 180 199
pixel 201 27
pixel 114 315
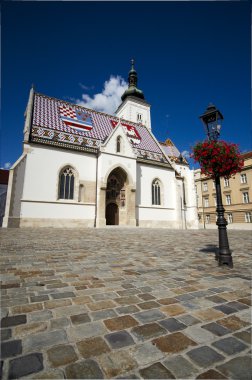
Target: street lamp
pixel 211 119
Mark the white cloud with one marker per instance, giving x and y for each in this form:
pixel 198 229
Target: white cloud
pixel 185 154
pixel 109 99
pixel 6 166
pixel 84 87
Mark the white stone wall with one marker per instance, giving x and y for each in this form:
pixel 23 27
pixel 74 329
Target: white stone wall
pixel 15 193
pixel 190 215
pixel 18 188
pixel 149 215
pixel 34 192
pixel 44 165
pixel 130 109
pixel 56 214
pixel 40 198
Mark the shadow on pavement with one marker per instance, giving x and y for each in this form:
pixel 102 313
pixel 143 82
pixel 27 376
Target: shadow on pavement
pixel 210 248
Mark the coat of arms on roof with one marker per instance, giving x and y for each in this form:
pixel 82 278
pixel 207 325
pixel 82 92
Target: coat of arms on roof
pixel 75 119
pixel 131 132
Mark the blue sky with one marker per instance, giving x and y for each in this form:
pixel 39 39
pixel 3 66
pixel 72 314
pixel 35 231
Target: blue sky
pixel 187 54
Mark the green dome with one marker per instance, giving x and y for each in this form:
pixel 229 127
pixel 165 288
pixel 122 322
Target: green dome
pixel 133 91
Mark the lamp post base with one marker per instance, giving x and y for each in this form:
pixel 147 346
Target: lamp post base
pixel 225 260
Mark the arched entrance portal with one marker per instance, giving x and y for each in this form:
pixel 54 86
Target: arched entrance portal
pixel 115 197
pixel 112 214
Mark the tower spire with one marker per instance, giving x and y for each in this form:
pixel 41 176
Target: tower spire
pixel 134 107
pixel 132 84
pixel 132 79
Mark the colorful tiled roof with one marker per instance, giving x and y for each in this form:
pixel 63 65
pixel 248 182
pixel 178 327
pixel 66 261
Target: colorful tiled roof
pixel 172 152
pixel 246 155
pixel 60 123
pixel 170 149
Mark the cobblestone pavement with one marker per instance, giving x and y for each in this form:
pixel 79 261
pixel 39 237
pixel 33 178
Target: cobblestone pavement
pixel 124 303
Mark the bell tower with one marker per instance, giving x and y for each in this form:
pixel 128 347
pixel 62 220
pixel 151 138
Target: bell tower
pixel 134 106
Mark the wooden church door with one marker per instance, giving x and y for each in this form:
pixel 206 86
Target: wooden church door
pixel 112 214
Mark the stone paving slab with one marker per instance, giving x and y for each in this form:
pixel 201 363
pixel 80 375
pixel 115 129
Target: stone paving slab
pixel 126 303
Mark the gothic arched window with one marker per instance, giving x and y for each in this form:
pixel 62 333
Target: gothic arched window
pixel 156 199
pixel 66 183
pixel 118 144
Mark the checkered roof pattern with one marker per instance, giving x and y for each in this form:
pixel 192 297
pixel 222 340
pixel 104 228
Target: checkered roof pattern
pixel 69 112
pixel 47 114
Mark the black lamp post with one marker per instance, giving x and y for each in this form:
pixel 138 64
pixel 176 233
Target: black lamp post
pixel 211 119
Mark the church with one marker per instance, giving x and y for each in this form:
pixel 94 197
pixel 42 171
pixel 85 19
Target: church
pixel 83 168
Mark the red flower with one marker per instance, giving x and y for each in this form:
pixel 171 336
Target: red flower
pixel 218 158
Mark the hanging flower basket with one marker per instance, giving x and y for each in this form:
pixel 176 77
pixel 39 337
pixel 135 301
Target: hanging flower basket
pixel 218 158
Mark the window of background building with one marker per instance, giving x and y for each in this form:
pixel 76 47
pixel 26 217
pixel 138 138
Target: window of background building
pixel 205 188
pixel 248 217
pixel 197 200
pixel 230 218
pixel 245 197
pixel 214 185
pixel 243 178
pixel 206 202
pixel 228 199
pixel 226 182
pixel 215 200
pixel 207 219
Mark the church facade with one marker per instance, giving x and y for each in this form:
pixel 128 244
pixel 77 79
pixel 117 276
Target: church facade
pixel 83 168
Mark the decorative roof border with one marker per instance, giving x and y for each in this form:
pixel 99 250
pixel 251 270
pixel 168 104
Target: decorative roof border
pixel 63 145
pixel 165 164
pixel 46 134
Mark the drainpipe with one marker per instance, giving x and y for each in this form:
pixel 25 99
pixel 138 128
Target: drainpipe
pixel 96 188
pixel 203 211
pixel 184 202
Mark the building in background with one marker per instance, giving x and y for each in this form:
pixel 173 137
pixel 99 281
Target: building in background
pixel 4 176
pixel 236 198
pixel 83 168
